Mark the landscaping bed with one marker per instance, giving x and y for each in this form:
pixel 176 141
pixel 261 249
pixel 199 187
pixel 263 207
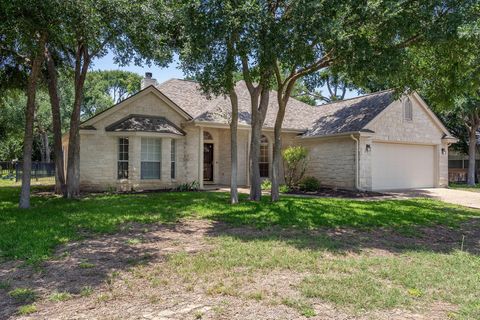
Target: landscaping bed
pixel 338 193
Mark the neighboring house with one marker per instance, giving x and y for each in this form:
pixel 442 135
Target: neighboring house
pixel 458 164
pixel 169 133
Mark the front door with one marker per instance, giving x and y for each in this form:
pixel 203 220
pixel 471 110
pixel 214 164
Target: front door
pixel 208 162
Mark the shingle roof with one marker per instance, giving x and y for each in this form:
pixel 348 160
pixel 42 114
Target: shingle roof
pixel 333 118
pixel 134 123
pixel 350 115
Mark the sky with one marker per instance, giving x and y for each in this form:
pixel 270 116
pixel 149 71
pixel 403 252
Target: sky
pixel 161 74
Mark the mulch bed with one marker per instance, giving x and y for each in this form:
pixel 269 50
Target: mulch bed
pixel 339 193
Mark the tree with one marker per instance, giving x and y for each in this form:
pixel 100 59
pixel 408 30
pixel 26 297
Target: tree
pixel 106 88
pixel 358 40
pixel 309 88
pixel 215 67
pixel 446 70
pixel 220 41
pixel 89 29
pixel 24 34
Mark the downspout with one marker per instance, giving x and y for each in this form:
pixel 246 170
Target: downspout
pixel 356 160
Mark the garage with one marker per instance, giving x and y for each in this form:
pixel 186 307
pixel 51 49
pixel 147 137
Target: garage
pixel 402 166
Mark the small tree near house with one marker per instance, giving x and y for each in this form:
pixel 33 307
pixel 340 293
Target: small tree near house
pixel 295 162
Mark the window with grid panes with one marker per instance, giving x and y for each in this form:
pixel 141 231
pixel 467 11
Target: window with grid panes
pixel 173 157
pixel 122 164
pixel 264 161
pixel 150 158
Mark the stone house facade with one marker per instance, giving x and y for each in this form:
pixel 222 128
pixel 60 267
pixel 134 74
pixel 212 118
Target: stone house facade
pixel 168 134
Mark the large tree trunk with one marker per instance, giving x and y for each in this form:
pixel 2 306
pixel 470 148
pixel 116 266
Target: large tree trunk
pixel 45 147
pixel 277 151
pixel 29 118
pixel 233 144
pixel 259 110
pixel 472 148
pixel 73 165
pixel 60 187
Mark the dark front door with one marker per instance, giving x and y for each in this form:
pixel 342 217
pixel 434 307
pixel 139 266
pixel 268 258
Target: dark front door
pixel 208 162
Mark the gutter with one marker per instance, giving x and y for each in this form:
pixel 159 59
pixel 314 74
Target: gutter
pixel 356 160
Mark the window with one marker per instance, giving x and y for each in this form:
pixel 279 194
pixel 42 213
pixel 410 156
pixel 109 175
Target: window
pixel 173 156
pixel 207 135
pixel 263 162
pixel 122 164
pixel 407 110
pixel 150 158
pixel 455 164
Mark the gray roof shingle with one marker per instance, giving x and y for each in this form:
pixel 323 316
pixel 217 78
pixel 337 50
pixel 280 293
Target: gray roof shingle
pixel 142 123
pixel 339 117
pixel 350 115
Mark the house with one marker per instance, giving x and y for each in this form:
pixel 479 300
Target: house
pixel 458 164
pixel 169 133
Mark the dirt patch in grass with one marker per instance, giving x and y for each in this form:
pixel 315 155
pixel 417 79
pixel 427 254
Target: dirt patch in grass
pixel 143 272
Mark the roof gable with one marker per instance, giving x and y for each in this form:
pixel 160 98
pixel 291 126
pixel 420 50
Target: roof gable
pixel 145 123
pixel 139 95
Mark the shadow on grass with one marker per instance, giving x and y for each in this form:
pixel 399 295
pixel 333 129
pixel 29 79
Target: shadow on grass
pixel 32 234
pixel 336 225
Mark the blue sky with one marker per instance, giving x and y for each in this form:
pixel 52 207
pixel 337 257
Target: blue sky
pixel 161 74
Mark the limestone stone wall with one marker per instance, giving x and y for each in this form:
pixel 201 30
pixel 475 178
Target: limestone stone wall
pixel 391 126
pixel 99 149
pixel 332 161
pixel 99 156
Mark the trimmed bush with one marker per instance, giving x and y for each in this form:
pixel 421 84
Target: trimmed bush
pixel 295 163
pixel 284 188
pixel 266 184
pixel 309 184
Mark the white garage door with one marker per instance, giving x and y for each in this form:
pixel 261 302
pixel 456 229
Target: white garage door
pixel 402 166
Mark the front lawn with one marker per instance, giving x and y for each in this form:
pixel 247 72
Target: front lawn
pixel 297 258
pixel 465 187
pixel 32 234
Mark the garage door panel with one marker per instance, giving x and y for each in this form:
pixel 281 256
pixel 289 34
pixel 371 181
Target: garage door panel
pixel 402 166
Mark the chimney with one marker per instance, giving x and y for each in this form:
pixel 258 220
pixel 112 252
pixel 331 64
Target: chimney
pixel 147 81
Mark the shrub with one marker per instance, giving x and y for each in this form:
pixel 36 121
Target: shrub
pixel 284 188
pixel 188 186
pixel 309 184
pixel 295 163
pixel 266 184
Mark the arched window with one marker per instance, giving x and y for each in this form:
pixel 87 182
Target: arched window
pixel 207 135
pixel 263 161
pixel 407 110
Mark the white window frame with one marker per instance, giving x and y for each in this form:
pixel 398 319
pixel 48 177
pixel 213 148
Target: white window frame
pixel 121 143
pixel 147 146
pixel 264 145
pixel 173 159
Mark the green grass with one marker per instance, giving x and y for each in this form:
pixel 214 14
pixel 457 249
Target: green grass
pixel 23 294
pixel 465 187
pixel 59 296
pixel 356 282
pixel 303 307
pixel 32 234
pixel 27 309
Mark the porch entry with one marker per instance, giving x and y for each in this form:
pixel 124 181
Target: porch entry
pixel 208 162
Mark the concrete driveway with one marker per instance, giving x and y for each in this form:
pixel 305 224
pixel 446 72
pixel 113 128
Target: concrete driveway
pixel 460 197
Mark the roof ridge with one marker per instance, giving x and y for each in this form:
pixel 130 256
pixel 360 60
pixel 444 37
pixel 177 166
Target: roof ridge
pixel 354 98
